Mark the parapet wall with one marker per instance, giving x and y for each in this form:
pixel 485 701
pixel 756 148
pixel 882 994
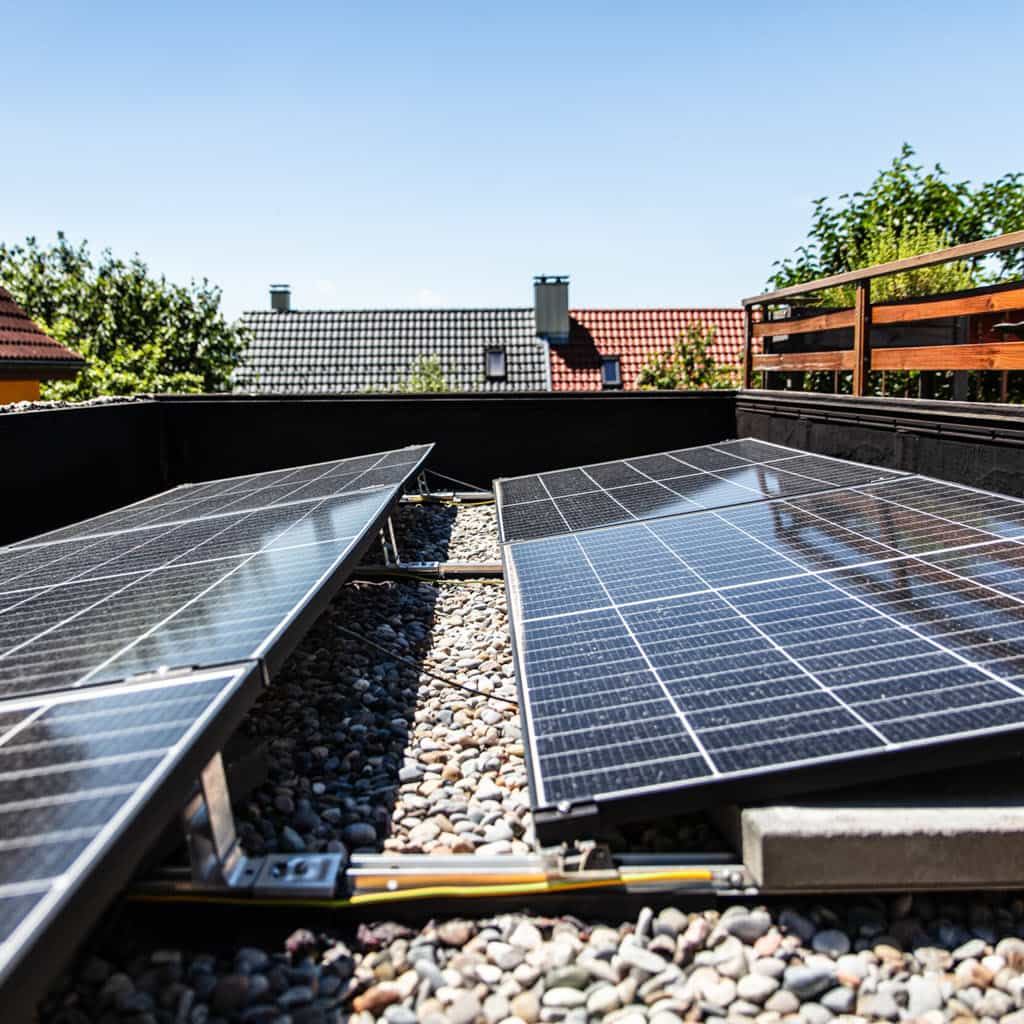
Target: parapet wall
pixel 64 464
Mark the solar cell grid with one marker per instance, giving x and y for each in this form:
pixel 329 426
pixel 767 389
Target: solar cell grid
pixel 111 634
pixel 199 592
pixel 754 450
pixel 994 513
pixel 708 459
pixel 771 481
pixel 902 529
pixel 758 643
pixel 999 565
pixel 665 484
pixel 74 775
pixel 650 500
pixel 198 613
pixel 241 494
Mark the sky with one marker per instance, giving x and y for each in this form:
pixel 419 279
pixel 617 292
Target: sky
pixel 442 154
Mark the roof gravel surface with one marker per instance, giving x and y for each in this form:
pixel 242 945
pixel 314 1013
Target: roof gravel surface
pixel 923 958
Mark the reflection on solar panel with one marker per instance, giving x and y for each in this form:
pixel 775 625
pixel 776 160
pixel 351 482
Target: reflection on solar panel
pixel 782 644
pixel 131 643
pixel 670 483
pixel 185 581
pixel 76 772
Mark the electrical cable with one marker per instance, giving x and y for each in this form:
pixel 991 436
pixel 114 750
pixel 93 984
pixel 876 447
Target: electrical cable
pixel 542 886
pixel 420 668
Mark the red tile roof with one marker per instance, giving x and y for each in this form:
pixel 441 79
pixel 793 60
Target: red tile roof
pixel 632 335
pixel 23 342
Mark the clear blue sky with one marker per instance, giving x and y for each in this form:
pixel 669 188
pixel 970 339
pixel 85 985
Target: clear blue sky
pixel 441 154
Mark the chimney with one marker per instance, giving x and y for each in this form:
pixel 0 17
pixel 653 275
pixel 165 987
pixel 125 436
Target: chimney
pixel 280 298
pixel 551 307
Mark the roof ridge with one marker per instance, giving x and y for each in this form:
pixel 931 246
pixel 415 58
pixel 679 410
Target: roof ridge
pixel 657 309
pixel 396 309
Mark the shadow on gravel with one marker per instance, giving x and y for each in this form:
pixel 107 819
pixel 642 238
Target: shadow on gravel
pixel 337 720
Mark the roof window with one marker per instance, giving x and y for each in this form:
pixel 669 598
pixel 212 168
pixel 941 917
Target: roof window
pixel 611 372
pixel 494 364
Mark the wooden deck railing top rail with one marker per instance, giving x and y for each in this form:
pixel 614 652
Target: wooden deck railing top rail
pixel 985 247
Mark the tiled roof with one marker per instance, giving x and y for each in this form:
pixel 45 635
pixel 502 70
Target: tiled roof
pixel 374 350
pixel 632 335
pixel 22 342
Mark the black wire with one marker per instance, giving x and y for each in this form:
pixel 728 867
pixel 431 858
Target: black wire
pixel 420 668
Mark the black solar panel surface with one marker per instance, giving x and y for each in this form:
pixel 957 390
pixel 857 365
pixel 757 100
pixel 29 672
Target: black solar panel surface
pixel 103 625
pixel 239 494
pixel 667 484
pixel 705 651
pixel 75 770
pixel 202 586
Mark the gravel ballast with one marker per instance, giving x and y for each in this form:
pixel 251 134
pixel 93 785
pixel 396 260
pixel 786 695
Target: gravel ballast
pixel 922 958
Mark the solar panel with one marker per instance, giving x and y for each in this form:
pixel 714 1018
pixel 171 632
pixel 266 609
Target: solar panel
pixel 261 490
pixel 79 773
pixel 666 484
pixel 766 648
pixel 86 605
pixel 130 645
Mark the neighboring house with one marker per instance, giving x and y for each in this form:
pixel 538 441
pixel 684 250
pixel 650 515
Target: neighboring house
pixel 544 348
pixel 607 346
pixel 295 351
pixel 28 356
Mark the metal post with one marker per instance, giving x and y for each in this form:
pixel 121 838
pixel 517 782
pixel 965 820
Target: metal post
pixel 394 541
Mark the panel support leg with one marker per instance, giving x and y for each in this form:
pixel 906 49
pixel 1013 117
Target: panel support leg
pixel 214 851
pixel 388 543
pixel 217 861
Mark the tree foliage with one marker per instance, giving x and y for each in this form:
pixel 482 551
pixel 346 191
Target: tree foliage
pixel 425 375
pixel 138 333
pixel 688 364
pixel 887 245
pixel 903 204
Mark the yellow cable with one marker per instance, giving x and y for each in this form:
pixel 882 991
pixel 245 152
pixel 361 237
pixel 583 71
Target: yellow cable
pixel 437 891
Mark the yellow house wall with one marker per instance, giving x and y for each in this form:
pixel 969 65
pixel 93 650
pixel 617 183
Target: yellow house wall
pixel 19 391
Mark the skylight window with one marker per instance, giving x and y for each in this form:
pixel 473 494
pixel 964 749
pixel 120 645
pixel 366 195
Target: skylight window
pixel 611 372
pixel 494 364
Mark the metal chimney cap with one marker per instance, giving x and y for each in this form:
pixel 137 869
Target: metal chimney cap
pixel 551 279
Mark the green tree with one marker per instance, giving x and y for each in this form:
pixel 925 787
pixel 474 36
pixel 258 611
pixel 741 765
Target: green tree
pixel 425 375
pixel 687 364
pixel 887 245
pixel 905 199
pixel 138 333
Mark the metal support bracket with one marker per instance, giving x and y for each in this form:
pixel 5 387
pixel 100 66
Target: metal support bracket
pixel 588 855
pixel 218 862
pixel 389 544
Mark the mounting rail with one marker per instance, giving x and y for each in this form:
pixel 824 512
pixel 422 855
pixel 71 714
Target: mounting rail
pixel 376 878
pixel 435 570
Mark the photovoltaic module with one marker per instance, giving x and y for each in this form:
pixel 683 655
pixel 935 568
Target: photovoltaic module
pixel 801 622
pixel 130 646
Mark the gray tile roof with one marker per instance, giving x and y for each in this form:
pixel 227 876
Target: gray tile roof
pixel 374 350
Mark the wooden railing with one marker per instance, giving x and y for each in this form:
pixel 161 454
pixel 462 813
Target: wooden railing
pixel 998 355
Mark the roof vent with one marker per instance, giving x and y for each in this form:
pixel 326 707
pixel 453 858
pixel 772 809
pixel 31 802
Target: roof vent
pixel 551 307
pixel 280 298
